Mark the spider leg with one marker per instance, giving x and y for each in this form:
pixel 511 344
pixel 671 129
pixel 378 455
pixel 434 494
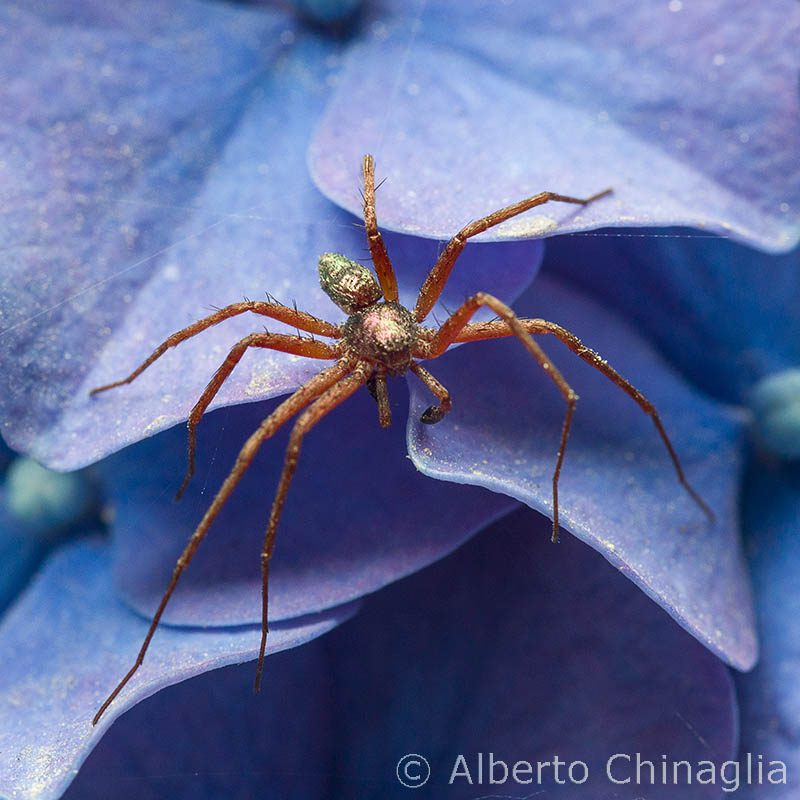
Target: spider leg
pixel 437 278
pixel 295 345
pixel 291 316
pixel 476 331
pixel 377 249
pixel 325 403
pixel 377 388
pixel 456 322
pixel 433 414
pixel 288 408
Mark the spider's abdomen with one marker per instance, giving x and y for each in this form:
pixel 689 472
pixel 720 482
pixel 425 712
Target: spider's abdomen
pixel 384 332
pixel 350 285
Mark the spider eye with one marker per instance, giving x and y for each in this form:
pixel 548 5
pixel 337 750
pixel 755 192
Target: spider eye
pixel 351 286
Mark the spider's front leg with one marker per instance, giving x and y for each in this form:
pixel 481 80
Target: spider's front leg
pixel 290 316
pixel 456 322
pixel 377 249
pixel 437 278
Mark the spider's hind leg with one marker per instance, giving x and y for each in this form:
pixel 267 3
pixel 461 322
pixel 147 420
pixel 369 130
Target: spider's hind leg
pixel 314 388
pixel 325 403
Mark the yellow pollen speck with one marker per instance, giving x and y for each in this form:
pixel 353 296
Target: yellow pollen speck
pixel 522 227
pixel 156 425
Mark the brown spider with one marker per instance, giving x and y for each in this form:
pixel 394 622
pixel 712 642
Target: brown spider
pixel 380 338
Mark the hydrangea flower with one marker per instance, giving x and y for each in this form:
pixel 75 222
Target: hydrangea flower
pixel 160 158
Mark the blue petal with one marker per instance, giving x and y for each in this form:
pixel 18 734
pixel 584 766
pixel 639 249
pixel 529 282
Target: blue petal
pixel 725 315
pixel 691 121
pixel 510 646
pixel 770 695
pixel 67 642
pixel 618 489
pixel 216 739
pixel 358 515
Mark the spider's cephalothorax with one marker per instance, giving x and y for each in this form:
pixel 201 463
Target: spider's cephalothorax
pixel 381 332
pixel 384 333
pixel 379 338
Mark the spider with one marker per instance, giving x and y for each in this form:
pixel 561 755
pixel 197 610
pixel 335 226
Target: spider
pixel 380 338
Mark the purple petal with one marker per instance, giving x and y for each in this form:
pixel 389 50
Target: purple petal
pixel 223 740
pixel 111 122
pixel 65 644
pixel 555 653
pixel 691 119
pixel 358 516
pixel 141 176
pixel 725 315
pixel 770 695
pixel 618 489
